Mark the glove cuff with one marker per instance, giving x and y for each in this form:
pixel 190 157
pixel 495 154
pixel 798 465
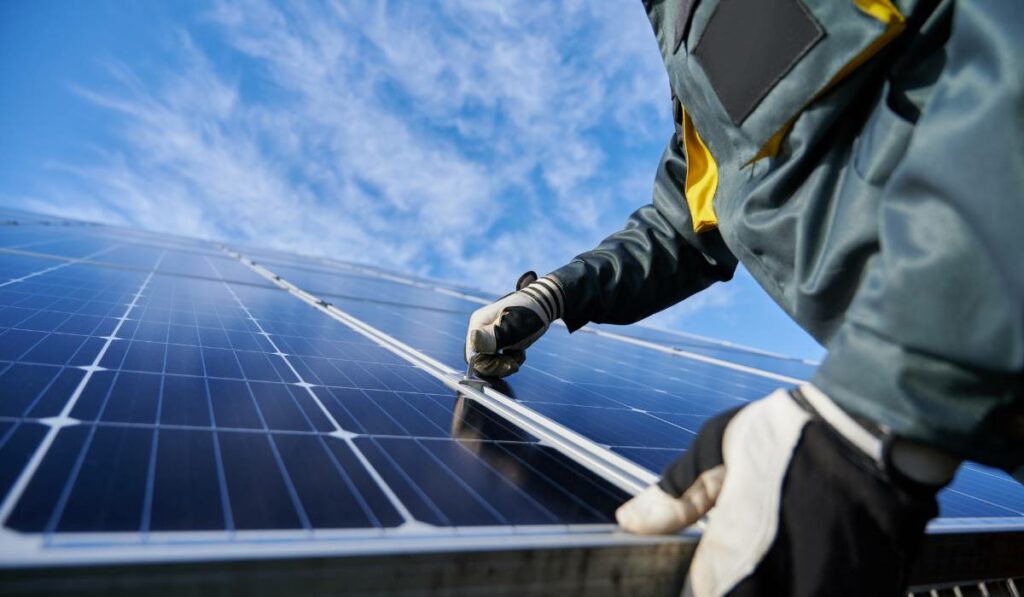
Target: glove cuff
pixel 548 293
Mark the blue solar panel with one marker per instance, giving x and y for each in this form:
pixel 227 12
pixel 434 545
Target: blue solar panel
pixel 185 403
pixel 154 387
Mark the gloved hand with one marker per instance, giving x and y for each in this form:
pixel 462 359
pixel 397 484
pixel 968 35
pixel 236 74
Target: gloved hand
pixel 500 332
pixel 801 499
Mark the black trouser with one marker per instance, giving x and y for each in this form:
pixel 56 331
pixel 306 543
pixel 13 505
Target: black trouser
pixel 844 527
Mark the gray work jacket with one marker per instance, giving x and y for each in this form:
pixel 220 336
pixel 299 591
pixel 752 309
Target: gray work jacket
pixel 864 159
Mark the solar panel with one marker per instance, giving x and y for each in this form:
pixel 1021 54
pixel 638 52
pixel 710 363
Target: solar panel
pixel 205 405
pixel 159 394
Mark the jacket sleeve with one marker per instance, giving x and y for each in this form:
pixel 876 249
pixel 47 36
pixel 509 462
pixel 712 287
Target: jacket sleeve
pixel 933 343
pixel 655 261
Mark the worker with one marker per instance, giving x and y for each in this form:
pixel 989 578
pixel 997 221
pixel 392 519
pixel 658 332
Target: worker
pixel 864 160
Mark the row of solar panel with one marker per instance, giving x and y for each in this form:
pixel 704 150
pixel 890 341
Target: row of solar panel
pixel 343 281
pixel 190 359
pixel 347 283
pixel 652 458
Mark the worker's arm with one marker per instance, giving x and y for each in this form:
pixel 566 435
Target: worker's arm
pixel 933 343
pixel 655 261
pixel 927 368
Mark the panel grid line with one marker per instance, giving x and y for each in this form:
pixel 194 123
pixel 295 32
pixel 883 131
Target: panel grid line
pixel 557 487
pixel 289 484
pixel 466 486
pixel 14 494
pixel 392 497
pixel 58 266
pixel 147 502
pixel 367 511
pixel 412 484
pixel 222 483
pixel 69 483
pixel 88 261
pixel 283 432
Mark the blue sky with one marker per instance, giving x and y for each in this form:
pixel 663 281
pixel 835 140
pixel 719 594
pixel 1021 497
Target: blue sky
pixel 459 139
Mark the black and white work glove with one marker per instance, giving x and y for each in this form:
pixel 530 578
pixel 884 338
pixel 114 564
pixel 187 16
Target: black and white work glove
pixel 499 333
pixel 801 499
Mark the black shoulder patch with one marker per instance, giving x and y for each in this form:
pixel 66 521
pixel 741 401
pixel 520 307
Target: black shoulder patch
pixel 748 45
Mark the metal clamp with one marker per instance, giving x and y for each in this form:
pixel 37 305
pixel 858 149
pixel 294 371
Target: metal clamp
pixel 471 379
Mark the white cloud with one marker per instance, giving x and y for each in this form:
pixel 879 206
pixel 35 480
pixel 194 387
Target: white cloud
pixel 462 139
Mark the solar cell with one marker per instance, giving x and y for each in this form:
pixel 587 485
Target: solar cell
pixel 186 484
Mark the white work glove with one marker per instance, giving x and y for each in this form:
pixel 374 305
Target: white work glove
pixel 801 499
pixel 499 333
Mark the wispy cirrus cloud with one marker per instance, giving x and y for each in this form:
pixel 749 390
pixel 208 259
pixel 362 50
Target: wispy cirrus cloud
pixel 458 139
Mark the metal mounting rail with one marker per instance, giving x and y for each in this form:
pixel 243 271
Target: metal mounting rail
pixel 437 286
